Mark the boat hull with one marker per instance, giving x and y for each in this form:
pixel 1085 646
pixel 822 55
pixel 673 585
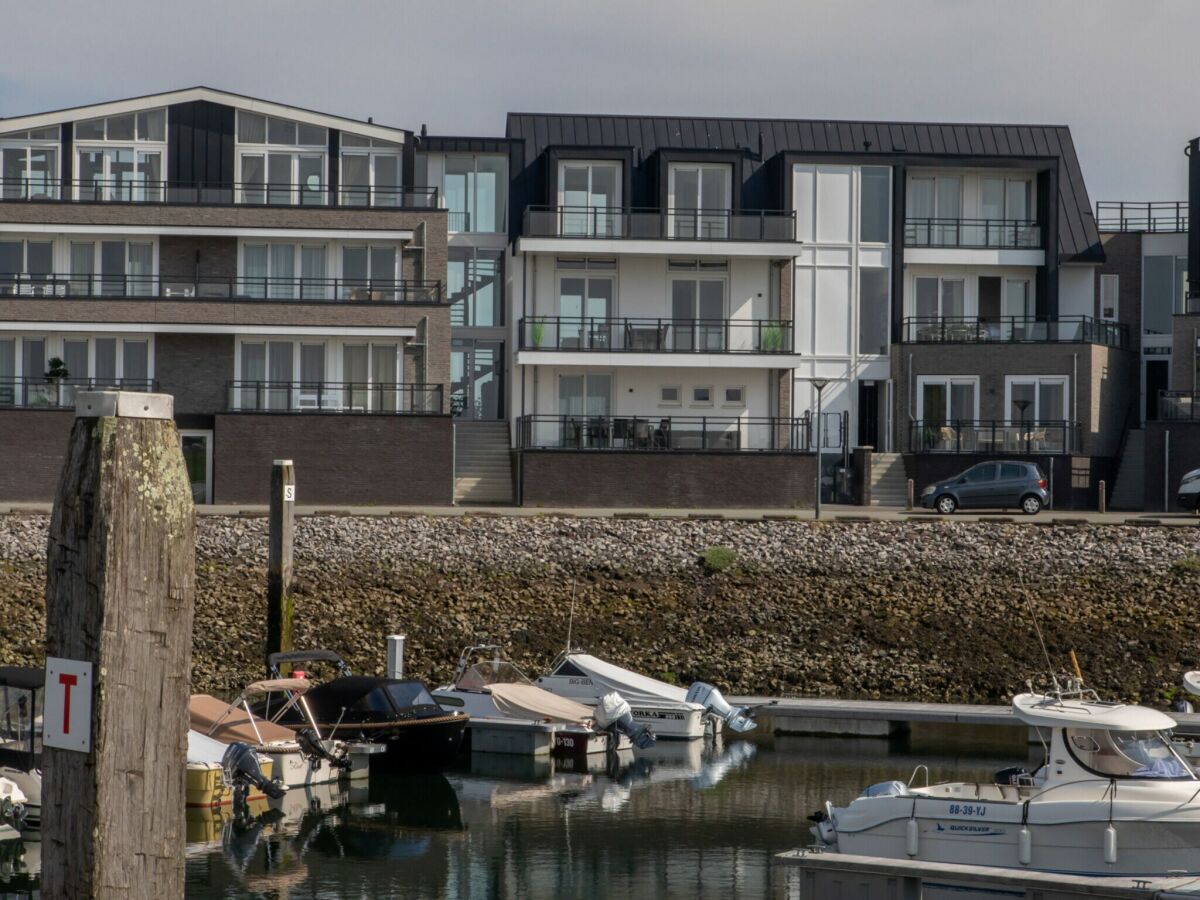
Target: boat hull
pixel 294 769
pixel 418 746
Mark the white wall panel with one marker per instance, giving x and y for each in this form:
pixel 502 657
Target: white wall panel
pixel 804 310
pixel 1076 291
pixel 833 312
pixel 833 204
pixel 804 201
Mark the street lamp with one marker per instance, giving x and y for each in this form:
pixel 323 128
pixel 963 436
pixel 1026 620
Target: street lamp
pixel 1023 405
pixel 819 384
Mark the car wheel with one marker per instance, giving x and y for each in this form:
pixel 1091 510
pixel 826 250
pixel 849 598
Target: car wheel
pixel 1031 505
pixel 946 504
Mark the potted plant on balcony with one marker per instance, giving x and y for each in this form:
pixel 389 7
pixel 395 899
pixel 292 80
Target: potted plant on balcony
pixel 537 333
pixel 56 374
pixel 771 337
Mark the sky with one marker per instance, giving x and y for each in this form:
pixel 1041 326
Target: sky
pixel 1121 73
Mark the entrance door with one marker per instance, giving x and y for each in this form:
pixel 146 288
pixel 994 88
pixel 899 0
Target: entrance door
pixel 868 414
pixel 477 379
pixel 197 457
pixel 1157 375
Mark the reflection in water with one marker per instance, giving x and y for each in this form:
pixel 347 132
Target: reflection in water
pixel 680 820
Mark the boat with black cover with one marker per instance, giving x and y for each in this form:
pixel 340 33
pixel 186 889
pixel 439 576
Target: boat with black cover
pixel 397 713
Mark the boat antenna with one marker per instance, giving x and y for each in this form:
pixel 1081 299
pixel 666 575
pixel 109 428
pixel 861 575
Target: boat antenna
pixel 1037 630
pixel 571 618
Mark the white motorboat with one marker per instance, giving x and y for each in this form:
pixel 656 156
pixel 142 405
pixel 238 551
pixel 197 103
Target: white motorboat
pixel 497 695
pixel 1113 797
pixel 669 710
pixel 21 736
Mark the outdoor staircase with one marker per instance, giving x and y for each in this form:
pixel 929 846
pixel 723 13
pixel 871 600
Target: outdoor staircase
pixel 889 481
pixel 482 462
pixel 1129 492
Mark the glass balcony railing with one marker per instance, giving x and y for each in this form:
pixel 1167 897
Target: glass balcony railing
pixel 656 335
pixel 973 234
pixel 991 436
pixel 1170 217
pixel 715 434
pixel 1013 330
pixel 659 224
pixel 334 397
pixel 42 392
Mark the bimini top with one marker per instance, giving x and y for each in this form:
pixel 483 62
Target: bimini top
pixel 635 688
pixel 22 677
pixel 1191 682
pixel 1051 711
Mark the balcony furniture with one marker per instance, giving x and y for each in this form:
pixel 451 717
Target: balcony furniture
pixel 948 437
pixel 645 337
pixel 642 437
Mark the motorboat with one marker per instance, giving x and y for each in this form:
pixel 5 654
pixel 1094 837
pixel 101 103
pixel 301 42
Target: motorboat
pixel 300 757
pixel 499 698
pixel 1112 797
pixel 12 810
pixel 401 715
pixel 21 692
pixel 213 776
pixel 671 711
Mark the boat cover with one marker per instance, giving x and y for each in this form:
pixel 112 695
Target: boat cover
pixel 524 701
pixel 1191 682
pixel 203 749
pixel 1050 711
pixel 235 724
pixel 636 689
pixel 274 685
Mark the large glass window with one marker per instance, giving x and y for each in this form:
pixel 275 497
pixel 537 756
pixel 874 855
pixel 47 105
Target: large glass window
pixel 284 271
pixel 1127 754
pixel 873 311
pixel 370 174
pixel 947 399
pixel 585 395
pixel 934 210
pixel 29 169
pixel 698 313
pixel 1164 291
pixel 112 268
pixel 369 272
pixel 939 298
pixel 1037 399
pixel 589 195
pixel 875 204
pixel 26 267
pixel 700 197
pixel 120 158
pixel 476 286
pixel 475 192
pixel 280 162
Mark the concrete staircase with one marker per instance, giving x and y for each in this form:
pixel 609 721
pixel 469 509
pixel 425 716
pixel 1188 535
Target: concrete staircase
pixel 482 462
pixel 1129 492
pixel 889 482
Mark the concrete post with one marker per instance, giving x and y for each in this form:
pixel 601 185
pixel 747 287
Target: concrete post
pixel 120 583
pixel 1102 505
pixel 395 655
pixel 910 494
pixel 279 558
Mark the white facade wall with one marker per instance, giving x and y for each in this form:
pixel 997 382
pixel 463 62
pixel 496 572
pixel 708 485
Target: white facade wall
pixel 1077 291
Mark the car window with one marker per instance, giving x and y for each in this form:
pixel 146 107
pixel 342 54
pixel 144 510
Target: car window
pixel 1012 470
pixel 981 472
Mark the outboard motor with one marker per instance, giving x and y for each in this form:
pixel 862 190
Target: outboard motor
pixel 740 719
pixel 240 763
pixel 612 713
pixel 314 749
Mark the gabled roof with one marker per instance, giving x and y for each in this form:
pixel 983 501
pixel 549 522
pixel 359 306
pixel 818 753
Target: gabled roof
pixel 1078 238
pixel 188 95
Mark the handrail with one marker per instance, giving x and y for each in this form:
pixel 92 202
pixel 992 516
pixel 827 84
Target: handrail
pixel 343 397
pixel 1179 406
pixel 1013 329
pixel 59 393
pixel 219 287
pixel 999 234
pixel 646 223
pixel 659 335
pixel 1168 216
pixel 717 434
pixel 993 436
pixel 216 193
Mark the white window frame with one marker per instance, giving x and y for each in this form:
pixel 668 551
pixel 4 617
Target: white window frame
pixel 704 404
pixel 372 153
pixel 207 434
pixel 330 249
pixel 55 341
pixel 1115 282
pixel 135 146
pixel 1034 417
pixel 592 164
pixel 696 216
pixel 947 380
pixel 968 300
pixel 16 142
pixel 664 402
pixel 266 148
pixel 584 373
pixel 725 401
pixel 858 216
pixel 470 215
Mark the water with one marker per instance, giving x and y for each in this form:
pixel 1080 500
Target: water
pixel 686 821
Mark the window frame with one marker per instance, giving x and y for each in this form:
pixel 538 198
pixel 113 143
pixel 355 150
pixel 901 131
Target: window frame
pixel 1115 280
pixel 739 403
pixel 1035 418
pixel 948 381
pixel 664 402
pixel 702 404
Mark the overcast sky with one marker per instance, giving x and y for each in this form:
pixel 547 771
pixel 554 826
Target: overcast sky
pixel 1121 73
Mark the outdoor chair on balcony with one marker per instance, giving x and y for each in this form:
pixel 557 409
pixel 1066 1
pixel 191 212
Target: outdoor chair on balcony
pixel 572 434
pixel 645 337
pixel 622 432
pixel 662 435
pixel 947 438
pixel 642 438
pixel 598 433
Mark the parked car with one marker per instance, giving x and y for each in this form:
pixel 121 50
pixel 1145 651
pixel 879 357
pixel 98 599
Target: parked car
pixel 999 483
pixel 1189 490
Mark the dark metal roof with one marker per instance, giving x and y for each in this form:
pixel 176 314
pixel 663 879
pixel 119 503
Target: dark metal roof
pixel 1078 238
pixel 438 143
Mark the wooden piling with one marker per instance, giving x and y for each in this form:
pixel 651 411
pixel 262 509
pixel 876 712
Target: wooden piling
pixel 279 557
pixel 120 582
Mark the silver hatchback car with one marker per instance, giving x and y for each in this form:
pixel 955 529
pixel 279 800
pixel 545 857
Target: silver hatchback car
pixel 1000 484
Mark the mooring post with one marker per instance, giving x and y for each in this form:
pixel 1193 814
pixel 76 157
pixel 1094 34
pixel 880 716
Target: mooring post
pixel 395 655
pixel 279 557
pixel 1102 506
pixel 120 580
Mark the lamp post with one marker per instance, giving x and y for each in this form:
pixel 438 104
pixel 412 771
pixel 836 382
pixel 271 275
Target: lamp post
pixel 1023 405
pixel 819 385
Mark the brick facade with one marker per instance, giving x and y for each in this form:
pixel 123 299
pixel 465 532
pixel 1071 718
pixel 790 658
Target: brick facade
pixel 194 368
pixel 202 257
pixel 33 448
pixel 677 480
pixel 1185 344
pixel 341 460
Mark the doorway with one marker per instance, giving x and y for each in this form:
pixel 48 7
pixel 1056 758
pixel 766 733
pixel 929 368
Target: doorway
pixel 477 379
pixel 868 414
pixel 1158 373
pixel 197 459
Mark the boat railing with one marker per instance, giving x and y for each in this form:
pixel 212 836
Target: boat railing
pixel 912 778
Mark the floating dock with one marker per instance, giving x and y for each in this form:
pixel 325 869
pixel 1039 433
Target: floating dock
pixel 825 874
pixel 887 718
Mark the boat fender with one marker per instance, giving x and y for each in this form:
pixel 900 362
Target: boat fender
pixel 912 837
pixel 1025 837
pixel 1110 844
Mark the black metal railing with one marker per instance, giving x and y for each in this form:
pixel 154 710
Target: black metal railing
pixel 997 234
pixel 716 434
pixel 656 335
pixel 458 220
pixel 42 392
pixel 1168 217
pixel 659 224
pixel 1013 330
pixel 344 397
pixel 220 287
pixel 991 436
pixel 1179 406
pixel 239 193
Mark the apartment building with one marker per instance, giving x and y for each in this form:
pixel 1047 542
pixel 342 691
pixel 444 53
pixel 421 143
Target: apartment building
pixel 273 268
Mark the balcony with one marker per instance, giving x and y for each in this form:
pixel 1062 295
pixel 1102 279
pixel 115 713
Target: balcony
pixel 334 397
pixel 656 335
pixel 991 437
pixel 612 223
pixel 973 234
pixel 1013 330
pixel 39 392
pixel 1179 406
pixel 167 287
pixel 138 190
pixel 1169 217
pixel 710 434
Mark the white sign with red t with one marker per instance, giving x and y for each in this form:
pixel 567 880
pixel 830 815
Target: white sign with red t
pixel 67 711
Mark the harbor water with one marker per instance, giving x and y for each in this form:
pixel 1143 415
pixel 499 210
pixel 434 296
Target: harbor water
pixel 681 820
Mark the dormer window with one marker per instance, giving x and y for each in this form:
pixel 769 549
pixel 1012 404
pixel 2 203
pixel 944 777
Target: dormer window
pixel 120 158
pixel 370 172
pixel 699 198
pixel 589 198
pixel 280 162
pixel 29 164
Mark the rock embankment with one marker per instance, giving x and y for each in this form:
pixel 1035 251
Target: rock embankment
pixel 924 611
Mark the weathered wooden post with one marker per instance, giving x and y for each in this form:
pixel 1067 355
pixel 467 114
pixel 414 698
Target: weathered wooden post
pixel 120 578
pixel 279 557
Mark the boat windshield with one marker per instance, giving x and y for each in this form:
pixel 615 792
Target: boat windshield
pixel 410 693
pixel 1126 754
pixel 498 671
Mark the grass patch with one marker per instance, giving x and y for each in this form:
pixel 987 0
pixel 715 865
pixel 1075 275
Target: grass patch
pixel 1189 565
pixel 717 559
